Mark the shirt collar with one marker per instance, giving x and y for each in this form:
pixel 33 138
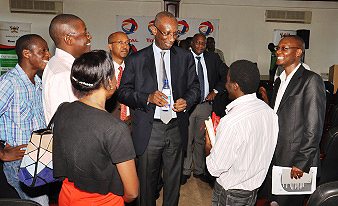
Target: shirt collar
pixel 195 55
pixel 116 65
pixel 240 100
pixel 158 51
pixel 64 55
pixel 285 78
pixel 22 75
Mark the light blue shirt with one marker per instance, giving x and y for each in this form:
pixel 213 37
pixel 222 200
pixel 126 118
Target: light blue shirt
pixel 21 109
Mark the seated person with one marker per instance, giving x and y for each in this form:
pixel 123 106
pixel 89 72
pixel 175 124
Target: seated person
pixel 93 150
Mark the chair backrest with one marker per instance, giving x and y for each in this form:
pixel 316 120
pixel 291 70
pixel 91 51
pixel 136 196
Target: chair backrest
pixel 17 202
pixel 329 148
pixel 329 86
pixel 324 195
pixel 334 116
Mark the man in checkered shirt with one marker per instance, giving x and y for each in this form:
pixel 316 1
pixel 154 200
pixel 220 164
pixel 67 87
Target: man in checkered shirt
pixel 21 109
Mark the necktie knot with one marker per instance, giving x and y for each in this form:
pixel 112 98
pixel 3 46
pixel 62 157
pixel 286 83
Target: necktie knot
pixel 120 69
pixel 162 54
pixel 198 58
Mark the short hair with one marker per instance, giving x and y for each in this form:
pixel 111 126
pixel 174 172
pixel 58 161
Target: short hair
pixel 25 42
pixel 299 40
pixel 162 14
pixel 55 29
pixel 91 70
pixel 196 35
pixel 212 38
pixel 246 75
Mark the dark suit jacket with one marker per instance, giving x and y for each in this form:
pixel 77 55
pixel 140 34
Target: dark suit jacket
pixel 217 71
pixel 139 80
pixel 217 77
pixel 301 117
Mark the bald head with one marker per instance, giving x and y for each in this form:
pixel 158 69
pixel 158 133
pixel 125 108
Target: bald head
pixel 161 15
pixel 118 44
pixel 112 37
pixel 61 25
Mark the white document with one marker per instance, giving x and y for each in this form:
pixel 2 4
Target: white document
pixel 282 184
pixel 211 131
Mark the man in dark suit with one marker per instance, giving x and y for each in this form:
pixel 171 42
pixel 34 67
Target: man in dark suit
pixel 160 125
pixel 212 74
pixel 118 44
pixel 299 101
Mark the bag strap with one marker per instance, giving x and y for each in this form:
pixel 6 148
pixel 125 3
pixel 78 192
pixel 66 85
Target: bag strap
pixel 52 120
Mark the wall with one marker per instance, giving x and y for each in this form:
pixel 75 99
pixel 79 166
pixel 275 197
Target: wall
pixel 244 34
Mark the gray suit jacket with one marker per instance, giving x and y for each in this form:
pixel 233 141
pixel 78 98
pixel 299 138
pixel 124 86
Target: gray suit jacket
pixel 301 118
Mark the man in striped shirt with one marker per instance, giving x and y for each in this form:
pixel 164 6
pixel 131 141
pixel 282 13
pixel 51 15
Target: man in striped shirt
pixel 21 109
pixel 246 138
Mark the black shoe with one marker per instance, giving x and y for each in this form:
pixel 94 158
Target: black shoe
pixel 203 178
pixel 184 179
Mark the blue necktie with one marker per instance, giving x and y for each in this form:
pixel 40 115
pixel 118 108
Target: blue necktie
pixel 200 77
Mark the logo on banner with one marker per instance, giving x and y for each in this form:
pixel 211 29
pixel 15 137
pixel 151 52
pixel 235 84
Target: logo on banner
pixel 183 27
pixel 206 28
pixel 14 29
pixel 151 24
pixel 129 26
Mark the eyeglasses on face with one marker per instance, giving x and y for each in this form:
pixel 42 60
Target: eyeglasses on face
pixel 174 35
pixel 283 48
pixel 120 43
pixel 86 34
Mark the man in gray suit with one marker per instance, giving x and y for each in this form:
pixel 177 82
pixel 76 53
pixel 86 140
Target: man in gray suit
pixel 299 101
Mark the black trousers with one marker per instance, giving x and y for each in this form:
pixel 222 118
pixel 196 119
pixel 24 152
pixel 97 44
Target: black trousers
pixel 164 150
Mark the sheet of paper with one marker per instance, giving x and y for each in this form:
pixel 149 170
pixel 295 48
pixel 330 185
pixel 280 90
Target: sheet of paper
pixel 282 184
pixel 210 129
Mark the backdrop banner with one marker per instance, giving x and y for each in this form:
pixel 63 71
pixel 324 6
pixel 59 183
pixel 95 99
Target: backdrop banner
pixel 138 29
pixel 9 33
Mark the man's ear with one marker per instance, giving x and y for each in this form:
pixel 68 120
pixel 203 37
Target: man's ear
pixel 68 40
pixel 110 47
pixel 236 86
pixel 299 52
pixel 26 53
pixel 154 30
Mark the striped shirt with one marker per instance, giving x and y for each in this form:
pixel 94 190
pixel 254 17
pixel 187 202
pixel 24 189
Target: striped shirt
pixel 21 109
pixel 246 138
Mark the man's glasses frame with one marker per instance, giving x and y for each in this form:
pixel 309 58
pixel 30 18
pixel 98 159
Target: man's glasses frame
pixel 174 35
pixel 283 48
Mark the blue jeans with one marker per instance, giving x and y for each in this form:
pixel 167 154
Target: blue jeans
pixel 222 197
pixel 11 170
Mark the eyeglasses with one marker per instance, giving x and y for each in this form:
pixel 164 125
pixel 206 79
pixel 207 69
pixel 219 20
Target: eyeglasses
pixel 86 34
pixel 285 48
pixel 120 43
pixel 174 35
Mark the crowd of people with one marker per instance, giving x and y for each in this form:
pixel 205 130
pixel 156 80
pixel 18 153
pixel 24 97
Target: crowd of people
pixel 127 125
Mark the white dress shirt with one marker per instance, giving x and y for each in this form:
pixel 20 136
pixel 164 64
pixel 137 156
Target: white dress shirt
pixel 117 72
pixel 285 80
pixel 205 72
pixel 56 84
pixel 157 56
pixel 246 138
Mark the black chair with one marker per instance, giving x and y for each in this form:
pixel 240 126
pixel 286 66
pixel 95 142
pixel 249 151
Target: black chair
pixel 329 86
pixel 17 202
pixel 333 121
pixel 325 195
pixel 329 148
